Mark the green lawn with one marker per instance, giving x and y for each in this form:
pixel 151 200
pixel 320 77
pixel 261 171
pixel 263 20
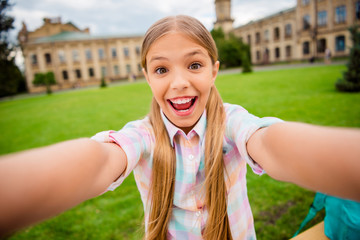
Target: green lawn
pixel 305 95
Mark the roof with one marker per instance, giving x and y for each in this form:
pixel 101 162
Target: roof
pixel 75 36
pixel 70 23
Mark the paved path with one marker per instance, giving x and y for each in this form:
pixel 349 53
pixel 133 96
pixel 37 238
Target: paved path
pixel 280 66
pixel 227 71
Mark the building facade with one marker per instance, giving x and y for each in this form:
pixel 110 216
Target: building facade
pixel 303 32
pixel 75 57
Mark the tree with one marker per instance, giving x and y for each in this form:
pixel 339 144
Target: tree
pixel 103 83
pixel 45 79
pixel 246 64
pixel 232 51
pixel 351 78
pixel 11 79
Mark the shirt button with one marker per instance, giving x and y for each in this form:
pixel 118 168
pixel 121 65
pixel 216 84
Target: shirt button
pixel 198 213
pixel 191 157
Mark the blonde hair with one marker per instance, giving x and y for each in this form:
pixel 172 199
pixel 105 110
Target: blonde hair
pixel 164 161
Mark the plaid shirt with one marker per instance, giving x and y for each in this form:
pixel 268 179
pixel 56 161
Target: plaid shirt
pixel 189 213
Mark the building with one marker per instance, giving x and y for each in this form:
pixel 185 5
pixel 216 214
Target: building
pixel 303 32
pixel 223 15
pixel 77 58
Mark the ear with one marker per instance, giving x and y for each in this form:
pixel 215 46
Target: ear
pixel 215 71
pixel 146 76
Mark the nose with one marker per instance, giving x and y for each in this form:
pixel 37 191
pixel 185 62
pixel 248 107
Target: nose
pixel 179 80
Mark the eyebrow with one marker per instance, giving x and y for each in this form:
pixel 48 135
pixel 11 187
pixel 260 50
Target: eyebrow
pixel 195 52
pixel 157 58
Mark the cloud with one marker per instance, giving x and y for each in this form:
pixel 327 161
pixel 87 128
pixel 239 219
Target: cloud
pixel 245 11
pixel 123 17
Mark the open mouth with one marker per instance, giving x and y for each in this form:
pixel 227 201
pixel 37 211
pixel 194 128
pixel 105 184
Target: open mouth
pixel 183 104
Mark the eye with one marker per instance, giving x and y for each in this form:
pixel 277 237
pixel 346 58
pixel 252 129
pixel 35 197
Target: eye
pixel 161 70
pixel 195 66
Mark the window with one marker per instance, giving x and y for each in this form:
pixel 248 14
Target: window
pixel 78 73
pixel 139 67
pixel 103 71
pixel 340 14
pixel 249 39
pixel 257 55
pixel 75 55
pixel 257 37
pixel 47 58
pixel 288 51
pixel 91 72
pixel 305 2
pixel 34 60
pixel 61 55
pixel 65 75
pixel 276 33
pixel 266 35
pixel 138 50
pixel 322 18
pixel 101 53
pixel 277 52
pixel 113 53
pixel 88 54
pixel 116 70
pixel 306 48
pixel 306 22
pixel 266 54
pixel 126 51
pixel 357 10
pixel 340 43
pixel 128 68
pixel 321 45
pixel 288 30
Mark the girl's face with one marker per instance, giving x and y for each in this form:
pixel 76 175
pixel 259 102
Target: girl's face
pixel 180 73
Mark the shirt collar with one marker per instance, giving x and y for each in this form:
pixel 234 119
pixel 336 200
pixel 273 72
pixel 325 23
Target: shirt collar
pixel 172 130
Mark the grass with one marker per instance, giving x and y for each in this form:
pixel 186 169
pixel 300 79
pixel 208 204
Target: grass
pixel 305 95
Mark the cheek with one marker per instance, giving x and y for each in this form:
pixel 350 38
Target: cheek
pixel 205 85
pixel 158 90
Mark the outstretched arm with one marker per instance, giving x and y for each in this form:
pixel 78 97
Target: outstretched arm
pixel 318 158
pixel 43 182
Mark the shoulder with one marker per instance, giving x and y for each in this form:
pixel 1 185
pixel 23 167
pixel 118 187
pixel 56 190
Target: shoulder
pixel 140 124
pixel 231 109
pixel 235 113
pixel 239 120
pixel 235 116
pixel 136 127
pixel 137 130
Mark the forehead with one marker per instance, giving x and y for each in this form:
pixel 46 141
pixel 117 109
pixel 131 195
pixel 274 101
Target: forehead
pixel 174 42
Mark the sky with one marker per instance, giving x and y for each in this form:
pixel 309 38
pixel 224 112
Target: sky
pixel 134 17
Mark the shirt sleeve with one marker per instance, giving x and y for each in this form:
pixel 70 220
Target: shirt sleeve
pixel 240 126
pixel 135 138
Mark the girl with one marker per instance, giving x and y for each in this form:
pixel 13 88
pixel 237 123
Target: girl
pixel 188 156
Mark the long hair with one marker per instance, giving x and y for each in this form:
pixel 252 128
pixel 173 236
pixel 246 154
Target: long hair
pixel 163 170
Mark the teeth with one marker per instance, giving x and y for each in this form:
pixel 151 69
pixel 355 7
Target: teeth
pixel 181 100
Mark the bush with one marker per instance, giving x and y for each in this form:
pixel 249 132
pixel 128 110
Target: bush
pixel 103 83
pixel 351 78
pixel 346 86
pixel 246 65
pixel 45 79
